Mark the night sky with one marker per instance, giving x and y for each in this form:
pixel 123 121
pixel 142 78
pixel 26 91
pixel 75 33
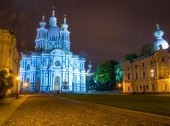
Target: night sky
pixel 100 29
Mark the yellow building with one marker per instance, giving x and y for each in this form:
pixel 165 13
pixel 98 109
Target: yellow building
pixel 9 56
pixel 150 73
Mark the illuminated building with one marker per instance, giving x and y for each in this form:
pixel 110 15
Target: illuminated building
pixel 52 65
pixel 9 56
pixel 149 73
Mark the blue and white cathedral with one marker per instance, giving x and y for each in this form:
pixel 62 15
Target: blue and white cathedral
pixel 52 66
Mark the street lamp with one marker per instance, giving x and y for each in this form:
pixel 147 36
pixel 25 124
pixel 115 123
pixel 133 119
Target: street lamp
pixel 119 85
pixel 18 79
pixel 25 86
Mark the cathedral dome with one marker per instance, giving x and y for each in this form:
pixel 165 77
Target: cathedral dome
pixel 42 23
pixel 159 40
pixel 53 32
pixel 52 21
pixel 65 25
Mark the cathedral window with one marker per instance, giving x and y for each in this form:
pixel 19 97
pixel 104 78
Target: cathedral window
pixel 28 67
pixel 57 63
pixel 27 80
pixel 38 66
pixel 53 38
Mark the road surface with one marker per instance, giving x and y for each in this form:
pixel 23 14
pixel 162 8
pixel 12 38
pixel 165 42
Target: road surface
pixel 48 110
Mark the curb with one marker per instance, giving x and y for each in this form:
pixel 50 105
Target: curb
pixel 6 111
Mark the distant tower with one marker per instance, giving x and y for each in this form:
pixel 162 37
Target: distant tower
pixel 41 38
pixel 89 71
pixel 64 36
pixel 159 40
pixel 53 32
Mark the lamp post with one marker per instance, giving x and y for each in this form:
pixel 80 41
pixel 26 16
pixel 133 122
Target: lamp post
pixel 18 79
pixel 25 86
pixel 119 85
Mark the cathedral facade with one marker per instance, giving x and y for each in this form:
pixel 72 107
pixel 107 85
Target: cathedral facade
pixel 52 66
pixel 149 73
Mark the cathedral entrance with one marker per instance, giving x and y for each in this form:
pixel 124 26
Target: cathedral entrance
pixel 57 83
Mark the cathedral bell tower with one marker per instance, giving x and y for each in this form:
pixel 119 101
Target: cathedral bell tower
pixel 53 32
pixel 160 42
pixel 41 38
pixel 65 36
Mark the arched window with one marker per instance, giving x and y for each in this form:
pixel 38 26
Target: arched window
pixel 152 73
pixel 128 76
pixel 28 67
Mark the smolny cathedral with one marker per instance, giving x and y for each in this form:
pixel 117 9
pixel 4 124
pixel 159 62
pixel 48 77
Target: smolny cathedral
pixel 52 66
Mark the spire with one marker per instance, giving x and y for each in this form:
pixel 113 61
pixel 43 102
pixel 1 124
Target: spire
pixel 43 23
pixel 89 68
pixel 43 18
pixel 65 19
pixel 53 12
pixel 90 65
pixel 65 26
pixel 158 33
pixel 159 43
pixel 157 26
pixel 53 20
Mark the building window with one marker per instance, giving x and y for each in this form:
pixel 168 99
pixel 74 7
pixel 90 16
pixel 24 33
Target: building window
pixel 143 74
pixel 151 63
pixel 28 80
pixel 146 86
pixel 136 66
pixel 28 67
pixel 152 73
pixel 128 88
pixel 136 75
pixel 136 88
pixel 153 87
pixel 143 64
pixel 140 87
pixel 165 87
pixel 163 60
pixel 128 76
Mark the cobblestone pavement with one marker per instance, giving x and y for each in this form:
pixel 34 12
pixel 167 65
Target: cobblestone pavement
pixel 38 110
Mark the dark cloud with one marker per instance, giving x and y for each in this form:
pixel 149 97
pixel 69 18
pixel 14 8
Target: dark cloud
pixel 100 29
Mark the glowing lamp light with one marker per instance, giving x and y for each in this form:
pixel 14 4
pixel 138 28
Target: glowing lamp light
pixel 119 85
pixel 18 78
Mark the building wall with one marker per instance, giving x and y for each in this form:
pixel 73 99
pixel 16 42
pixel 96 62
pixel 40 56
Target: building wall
pixel 148 74
pixel 48 71
pixel 9 56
